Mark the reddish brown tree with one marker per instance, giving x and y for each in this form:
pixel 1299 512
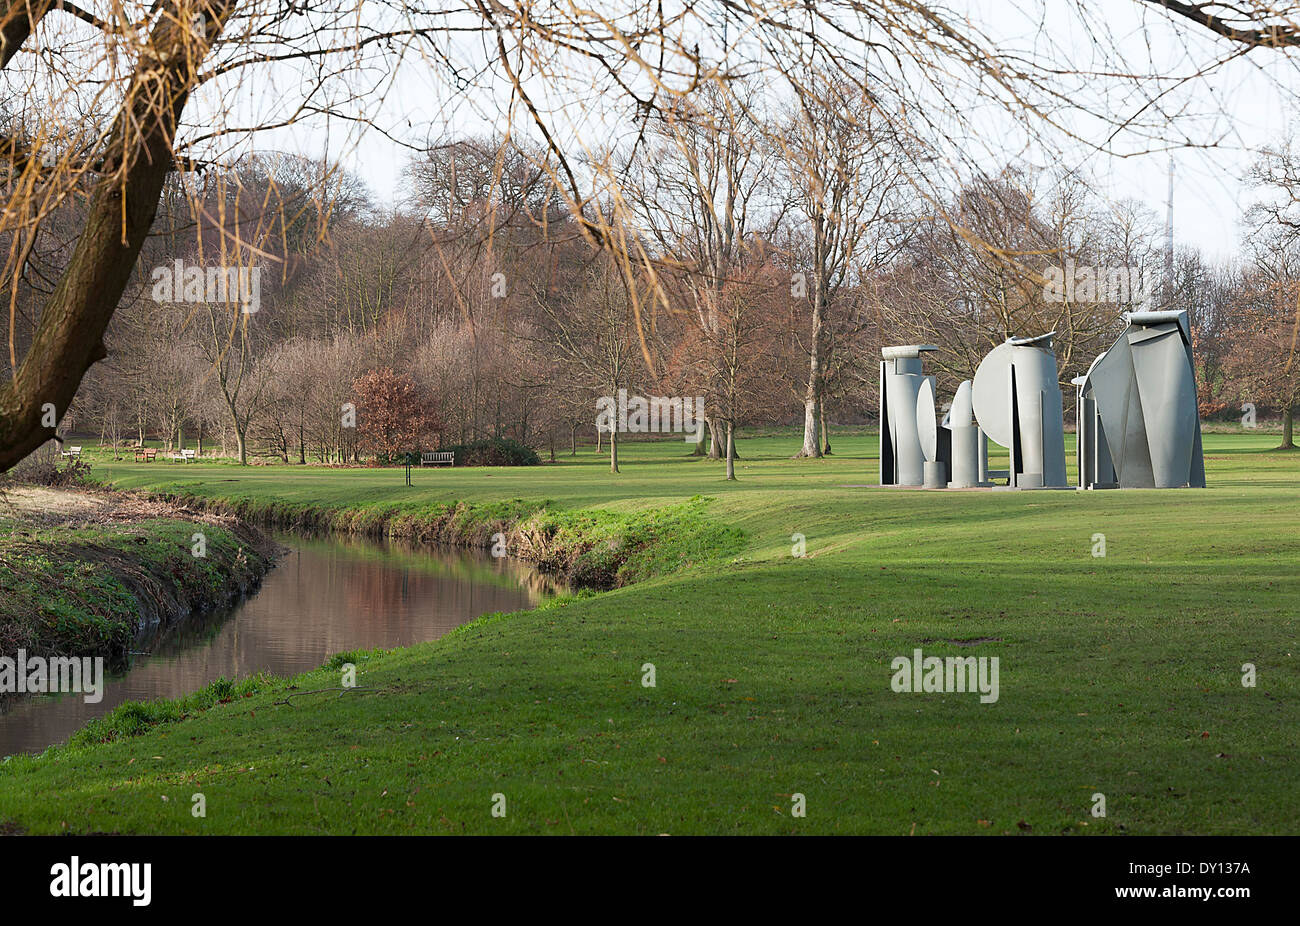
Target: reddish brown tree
pixel 394 415
pixel 1263 360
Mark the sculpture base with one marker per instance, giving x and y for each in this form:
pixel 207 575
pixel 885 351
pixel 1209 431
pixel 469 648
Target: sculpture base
pixel 1035 488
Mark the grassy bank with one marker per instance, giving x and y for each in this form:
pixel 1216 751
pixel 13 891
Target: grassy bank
pixel 87 589
pixel 1120 675
pixel 590 549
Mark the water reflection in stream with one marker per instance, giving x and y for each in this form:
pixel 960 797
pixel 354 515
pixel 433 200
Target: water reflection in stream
pixel 325 596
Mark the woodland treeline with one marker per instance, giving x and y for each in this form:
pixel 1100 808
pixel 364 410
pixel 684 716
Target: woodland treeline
pixel 764 276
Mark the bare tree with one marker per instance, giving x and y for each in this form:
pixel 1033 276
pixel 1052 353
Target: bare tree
pixel 737 357
pixel 846 165
pixel 698 192
pixel 594 335
pixel 1266 335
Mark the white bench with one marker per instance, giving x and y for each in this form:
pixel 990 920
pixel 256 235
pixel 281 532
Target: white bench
pixel 185 456
pixel 437 458
pixel 73 452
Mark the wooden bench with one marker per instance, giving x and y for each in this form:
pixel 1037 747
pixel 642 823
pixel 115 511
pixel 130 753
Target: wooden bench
pixel 145 454
pixel 72 452
pixel 437 458
pixel 185 456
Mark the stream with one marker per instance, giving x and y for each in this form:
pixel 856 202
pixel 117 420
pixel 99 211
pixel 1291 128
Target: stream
pixel 325 596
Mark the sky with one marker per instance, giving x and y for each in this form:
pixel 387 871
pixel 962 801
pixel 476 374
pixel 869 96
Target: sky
pixel 1217 122
pixel 1243 105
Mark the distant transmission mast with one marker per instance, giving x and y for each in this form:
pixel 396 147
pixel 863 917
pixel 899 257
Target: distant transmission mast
pixel 1169 241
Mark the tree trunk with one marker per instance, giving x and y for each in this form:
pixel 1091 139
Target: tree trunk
pixel 573 440
pixel 731 451
pixel 812 395
pixel 613 451
pixel 698 449
pixel 811 438
pixel 716 445
pixel 1288 428
pixel 16 27
pixel 821 421
pixel 240 441
pixel 137 159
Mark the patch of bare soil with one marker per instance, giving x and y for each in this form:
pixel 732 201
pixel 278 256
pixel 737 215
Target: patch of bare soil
pixel 84 507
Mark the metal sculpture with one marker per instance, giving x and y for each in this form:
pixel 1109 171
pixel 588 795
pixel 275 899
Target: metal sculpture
pixel 935 445
pixel 902 461
pixel 951 450
pixel 1017 402
pixel 1096 469
pixel 1139 426
pixel 964 440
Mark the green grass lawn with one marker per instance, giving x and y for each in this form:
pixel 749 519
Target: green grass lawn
pixel 1119 674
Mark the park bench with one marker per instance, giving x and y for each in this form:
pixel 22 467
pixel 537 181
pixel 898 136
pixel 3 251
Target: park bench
pixel 185 456
pixel 437 458
pixel 145 454
pixel 73 452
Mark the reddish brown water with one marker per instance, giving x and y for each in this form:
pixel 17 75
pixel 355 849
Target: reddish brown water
pixel 324 597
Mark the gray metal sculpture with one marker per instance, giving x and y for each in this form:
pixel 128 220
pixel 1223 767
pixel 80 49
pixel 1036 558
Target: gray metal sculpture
pixel 902 460
pixel 951 450
pixel 1138 421
pixel 1017 401
pixel 964 440
pixel 1096 469
pixel 934 471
